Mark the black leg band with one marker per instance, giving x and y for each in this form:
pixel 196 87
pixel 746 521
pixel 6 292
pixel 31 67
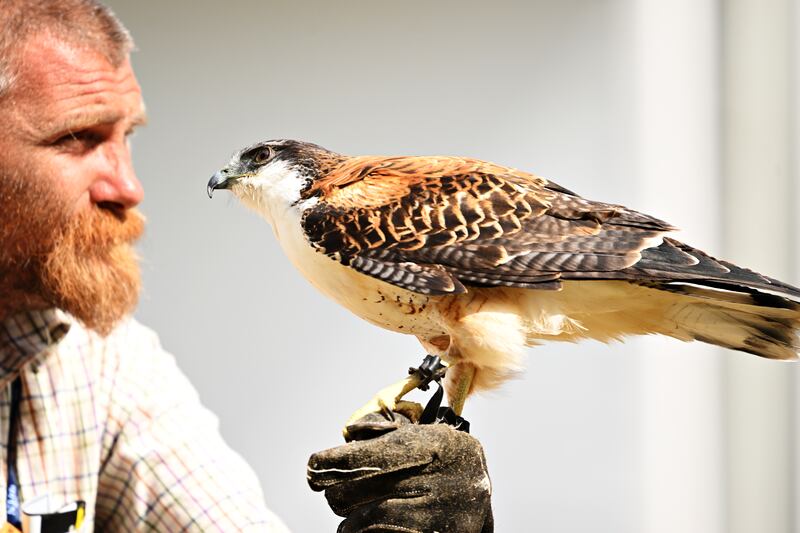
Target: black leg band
pixel 431 369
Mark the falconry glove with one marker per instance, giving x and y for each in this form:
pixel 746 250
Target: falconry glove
pixel 398 476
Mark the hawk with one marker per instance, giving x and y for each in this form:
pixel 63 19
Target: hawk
pixel 478 261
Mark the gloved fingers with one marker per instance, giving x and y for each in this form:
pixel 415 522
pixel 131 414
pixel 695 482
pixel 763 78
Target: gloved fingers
pixel 386 516
pixel 374 425
pixel 345 497
pixel 407 447
pixel 411 515
pixel 461 492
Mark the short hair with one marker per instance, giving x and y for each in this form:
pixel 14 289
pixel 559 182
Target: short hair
pixel 85 23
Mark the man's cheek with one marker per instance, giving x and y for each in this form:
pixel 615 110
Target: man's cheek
pixel 71 188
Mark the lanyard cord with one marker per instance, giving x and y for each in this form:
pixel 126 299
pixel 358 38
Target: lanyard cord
pixel 13 513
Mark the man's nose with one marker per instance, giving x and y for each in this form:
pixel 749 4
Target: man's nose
pixel 116 181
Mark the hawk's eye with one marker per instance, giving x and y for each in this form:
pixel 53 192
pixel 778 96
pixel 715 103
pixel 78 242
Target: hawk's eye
pixel 262 156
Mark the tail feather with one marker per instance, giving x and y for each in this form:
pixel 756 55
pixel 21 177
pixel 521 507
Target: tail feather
pixel 676 262
pixel 744 319
pixel 729 305
pixel 762 324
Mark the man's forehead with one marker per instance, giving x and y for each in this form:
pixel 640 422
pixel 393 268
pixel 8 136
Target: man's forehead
pixel 77 82
pixel 49 62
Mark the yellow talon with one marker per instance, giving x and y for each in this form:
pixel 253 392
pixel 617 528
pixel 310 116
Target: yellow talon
pixel 390 399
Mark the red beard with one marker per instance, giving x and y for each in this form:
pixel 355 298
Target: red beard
pixel 93 271
pixel 84 264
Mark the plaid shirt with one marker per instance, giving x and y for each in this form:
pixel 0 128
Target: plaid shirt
pixel 112 421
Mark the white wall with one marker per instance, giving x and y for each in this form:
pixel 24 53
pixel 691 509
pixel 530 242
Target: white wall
pixel 623 438
pixel 758 158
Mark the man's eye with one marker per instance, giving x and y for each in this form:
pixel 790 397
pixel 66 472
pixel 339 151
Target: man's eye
pixel 79 139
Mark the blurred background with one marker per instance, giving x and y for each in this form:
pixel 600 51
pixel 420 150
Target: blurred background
pixel 686 110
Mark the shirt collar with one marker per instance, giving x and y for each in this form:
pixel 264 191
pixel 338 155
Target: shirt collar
pixel 27 334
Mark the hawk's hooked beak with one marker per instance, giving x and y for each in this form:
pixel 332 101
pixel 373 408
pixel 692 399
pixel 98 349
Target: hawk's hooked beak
pixel 222 179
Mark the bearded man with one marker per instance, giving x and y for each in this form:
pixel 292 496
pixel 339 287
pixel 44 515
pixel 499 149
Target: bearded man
pixel 94 412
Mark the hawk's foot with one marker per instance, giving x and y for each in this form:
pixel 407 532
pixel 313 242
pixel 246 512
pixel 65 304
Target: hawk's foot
pixel 389 399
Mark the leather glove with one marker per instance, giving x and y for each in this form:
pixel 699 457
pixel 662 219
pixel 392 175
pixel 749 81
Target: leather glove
pixel 403 477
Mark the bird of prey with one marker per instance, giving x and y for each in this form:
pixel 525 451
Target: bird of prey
pixel 478 261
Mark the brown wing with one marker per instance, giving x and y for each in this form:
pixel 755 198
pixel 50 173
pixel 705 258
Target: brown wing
pixel 433 224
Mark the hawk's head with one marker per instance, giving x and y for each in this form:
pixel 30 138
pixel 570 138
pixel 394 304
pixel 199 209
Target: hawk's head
pixel 274 174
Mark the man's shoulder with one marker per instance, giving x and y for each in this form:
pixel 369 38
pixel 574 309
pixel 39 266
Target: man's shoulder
pixel 132 334
pixel 128 366
pixel 130 343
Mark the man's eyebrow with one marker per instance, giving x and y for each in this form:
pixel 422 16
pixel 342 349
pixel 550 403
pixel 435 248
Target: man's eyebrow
pixel 80 121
